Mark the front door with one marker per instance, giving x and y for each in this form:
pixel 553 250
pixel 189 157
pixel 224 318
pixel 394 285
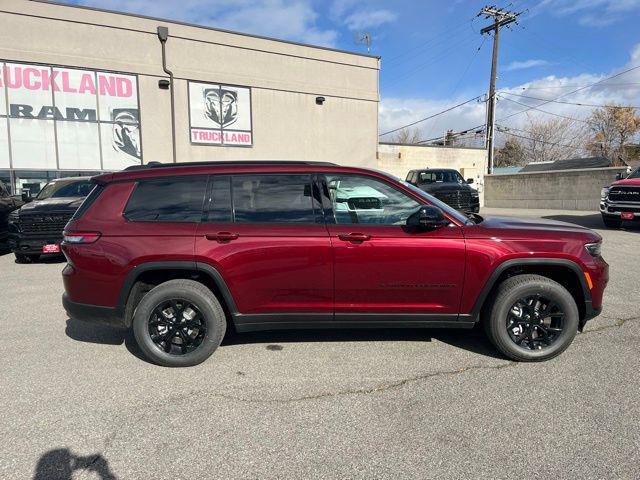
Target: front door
pixel 265 235
pixel 382 268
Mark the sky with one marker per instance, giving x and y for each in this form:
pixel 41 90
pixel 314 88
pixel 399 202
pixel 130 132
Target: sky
pixel 434 57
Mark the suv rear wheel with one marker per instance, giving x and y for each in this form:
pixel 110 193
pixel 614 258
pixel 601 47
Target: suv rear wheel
pixel 532 318
pixel 179 323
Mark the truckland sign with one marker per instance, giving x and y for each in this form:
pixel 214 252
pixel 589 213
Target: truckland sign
pixel 68 118
pixel 220 115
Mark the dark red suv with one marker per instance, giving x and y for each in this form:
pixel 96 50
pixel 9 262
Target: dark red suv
pixel 182 252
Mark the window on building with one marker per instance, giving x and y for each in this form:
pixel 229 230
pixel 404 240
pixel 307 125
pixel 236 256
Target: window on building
pixel 273 199
pixel 173 199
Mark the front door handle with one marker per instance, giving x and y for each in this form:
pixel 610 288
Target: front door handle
pixel 354 237
pixel 222 236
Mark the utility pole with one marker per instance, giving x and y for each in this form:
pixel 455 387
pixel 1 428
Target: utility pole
pixel 501 18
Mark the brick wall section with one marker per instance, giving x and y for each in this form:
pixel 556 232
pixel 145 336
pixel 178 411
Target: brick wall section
pixel 561 189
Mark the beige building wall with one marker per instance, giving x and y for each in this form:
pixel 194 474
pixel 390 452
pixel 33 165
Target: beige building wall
pixel 399 159
pixel 285 79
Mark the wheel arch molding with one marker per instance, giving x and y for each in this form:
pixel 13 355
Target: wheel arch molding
pixel 530 265
pixel 131 291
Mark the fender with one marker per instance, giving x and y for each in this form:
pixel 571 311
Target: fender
pixel 196 267
pixel 525 262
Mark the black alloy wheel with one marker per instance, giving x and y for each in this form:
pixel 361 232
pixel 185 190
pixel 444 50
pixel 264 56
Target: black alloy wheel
pixel 535 322
pixel 177 326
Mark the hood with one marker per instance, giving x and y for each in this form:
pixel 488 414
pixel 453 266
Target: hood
pixel 512 227
pixel 628 181
pixel 61 204
pixel 444 187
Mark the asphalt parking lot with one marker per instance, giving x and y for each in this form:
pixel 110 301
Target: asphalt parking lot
pixel 79 402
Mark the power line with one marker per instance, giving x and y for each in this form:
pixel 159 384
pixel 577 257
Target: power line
pixel 569 103
pixel 543 111
pixel 430 116
pixel 571 92
pixel 551 87
pixel 475 130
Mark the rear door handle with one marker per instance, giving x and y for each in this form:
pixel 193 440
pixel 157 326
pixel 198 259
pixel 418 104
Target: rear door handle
pixel 354 237
pixel 222 236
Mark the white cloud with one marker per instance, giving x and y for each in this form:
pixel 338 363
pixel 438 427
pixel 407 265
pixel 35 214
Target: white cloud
pixel 522 65
pixel 593 13
pixel 624 90
pixel 286 19
pixel 364 19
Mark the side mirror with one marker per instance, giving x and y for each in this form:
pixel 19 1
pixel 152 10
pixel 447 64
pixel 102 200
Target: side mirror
pixel 619 176
pixel 428 217
pixel 469 181
pixel 26 197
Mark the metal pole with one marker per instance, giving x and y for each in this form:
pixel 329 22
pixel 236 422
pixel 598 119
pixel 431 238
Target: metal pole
pixel 163 35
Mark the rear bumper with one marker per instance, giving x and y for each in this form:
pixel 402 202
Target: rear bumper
pixel 93 313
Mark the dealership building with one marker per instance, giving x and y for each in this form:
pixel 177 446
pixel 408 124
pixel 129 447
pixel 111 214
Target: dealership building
pixel 85 90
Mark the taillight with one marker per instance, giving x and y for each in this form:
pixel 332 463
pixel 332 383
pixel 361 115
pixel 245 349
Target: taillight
pixel 80 237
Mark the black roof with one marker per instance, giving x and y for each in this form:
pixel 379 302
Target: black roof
pixel 568 164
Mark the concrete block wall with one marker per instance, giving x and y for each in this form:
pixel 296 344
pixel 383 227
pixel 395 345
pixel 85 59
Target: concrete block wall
pixel 561 189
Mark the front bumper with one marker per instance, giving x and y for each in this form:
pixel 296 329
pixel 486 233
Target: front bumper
pixel 615 209
pixel 93 313
pixel 31 244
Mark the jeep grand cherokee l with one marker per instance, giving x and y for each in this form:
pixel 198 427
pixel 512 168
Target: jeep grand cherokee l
pixel 181 252
pixel 620 201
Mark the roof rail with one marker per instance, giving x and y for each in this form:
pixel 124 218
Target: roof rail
pixel 224 163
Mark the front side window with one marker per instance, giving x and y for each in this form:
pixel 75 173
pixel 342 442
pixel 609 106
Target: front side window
pixel 171 199
pixel 366 200
pixel 273 199
pixel 635 174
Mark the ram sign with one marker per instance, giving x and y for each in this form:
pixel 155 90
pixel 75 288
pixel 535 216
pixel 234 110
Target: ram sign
pixel 220 115
pixel 67 118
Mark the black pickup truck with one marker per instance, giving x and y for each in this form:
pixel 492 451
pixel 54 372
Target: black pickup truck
pixel 36 228
pixel 447 184
pixel 7 205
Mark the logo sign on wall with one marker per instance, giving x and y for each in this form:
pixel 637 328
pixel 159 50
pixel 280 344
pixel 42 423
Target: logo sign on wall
pixel 68 118
pixel 220 115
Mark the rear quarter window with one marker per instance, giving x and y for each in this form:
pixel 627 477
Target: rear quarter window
pixel 169 199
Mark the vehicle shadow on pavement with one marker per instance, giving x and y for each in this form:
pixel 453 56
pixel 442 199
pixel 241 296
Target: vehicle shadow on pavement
pixel 103 334
pixel 62 464
pixel 591 221
pixel 471 340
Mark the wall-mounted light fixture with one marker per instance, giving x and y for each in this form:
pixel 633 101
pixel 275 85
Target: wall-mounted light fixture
pixel 164 84
pixel 320 100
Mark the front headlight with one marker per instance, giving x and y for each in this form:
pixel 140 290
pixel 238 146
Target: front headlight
pixel 594 249
pixel 604 193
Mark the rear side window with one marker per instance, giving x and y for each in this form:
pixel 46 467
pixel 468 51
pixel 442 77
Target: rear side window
pixel 88 201
pixel 170 199
pixel 273 199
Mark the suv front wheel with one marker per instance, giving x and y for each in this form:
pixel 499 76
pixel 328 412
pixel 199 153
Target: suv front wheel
pixel 532 318
pixel 179 323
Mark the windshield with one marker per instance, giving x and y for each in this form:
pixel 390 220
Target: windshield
pixel 452 212
pixel 440 176
pixel 635 173
pixel 79 188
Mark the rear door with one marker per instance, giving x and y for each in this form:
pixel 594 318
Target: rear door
pixel 265 235
pixel 382 267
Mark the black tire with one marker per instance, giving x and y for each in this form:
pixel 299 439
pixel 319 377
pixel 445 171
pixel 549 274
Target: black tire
pixel 24 258
pixel 510 292
pixel 611 222
pixel 203 299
